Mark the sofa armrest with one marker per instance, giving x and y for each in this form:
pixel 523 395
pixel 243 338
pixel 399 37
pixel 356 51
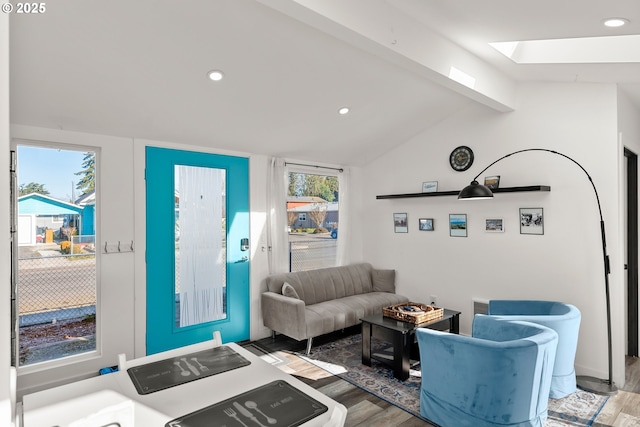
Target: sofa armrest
pixel 284 314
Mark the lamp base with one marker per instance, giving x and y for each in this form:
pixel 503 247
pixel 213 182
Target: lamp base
pixel 596 385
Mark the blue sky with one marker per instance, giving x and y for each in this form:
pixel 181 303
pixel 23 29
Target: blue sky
pixel 55 168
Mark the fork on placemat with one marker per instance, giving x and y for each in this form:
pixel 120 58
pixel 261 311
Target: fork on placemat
pixel 231 413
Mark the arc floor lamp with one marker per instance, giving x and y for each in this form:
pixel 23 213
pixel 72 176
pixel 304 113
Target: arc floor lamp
pixel 475 191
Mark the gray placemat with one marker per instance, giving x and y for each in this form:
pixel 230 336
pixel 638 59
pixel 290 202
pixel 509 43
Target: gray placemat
pixel 276 404
pixel 175 371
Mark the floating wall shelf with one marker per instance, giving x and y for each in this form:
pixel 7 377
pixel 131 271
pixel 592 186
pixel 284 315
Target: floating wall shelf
pixel 455 192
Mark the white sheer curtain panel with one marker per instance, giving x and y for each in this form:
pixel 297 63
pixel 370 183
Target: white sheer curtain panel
pixel 344 225
pixel 277 236
pixel 202 258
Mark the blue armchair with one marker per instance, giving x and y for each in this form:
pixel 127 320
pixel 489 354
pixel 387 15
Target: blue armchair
pixel 500 376
pixel 562 318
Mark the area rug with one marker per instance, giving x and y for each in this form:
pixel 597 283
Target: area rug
pixel 344 359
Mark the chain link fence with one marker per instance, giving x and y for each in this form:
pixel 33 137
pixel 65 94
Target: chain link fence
pixel 311 254
pixel 54 288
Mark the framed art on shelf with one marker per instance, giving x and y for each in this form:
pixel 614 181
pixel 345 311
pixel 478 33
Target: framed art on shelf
pixel 430 186
pixel 458 225
pixel 492 181
pixel 531 221
pixel 494 225
pixel 400 224
pixel 425 224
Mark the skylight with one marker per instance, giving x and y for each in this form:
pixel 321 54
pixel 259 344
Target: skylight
pixel 585 50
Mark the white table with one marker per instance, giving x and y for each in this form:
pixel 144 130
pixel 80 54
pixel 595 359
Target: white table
pixel 61 406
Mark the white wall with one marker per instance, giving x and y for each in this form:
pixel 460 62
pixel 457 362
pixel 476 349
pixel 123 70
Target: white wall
pixel 5 255
pixel 628 122
pixel 564 264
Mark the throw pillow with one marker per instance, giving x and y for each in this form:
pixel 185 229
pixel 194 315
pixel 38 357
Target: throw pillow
pixel 383 280
pixel 289 291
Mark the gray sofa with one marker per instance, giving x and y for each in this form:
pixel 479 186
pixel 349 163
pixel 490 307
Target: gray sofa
pixel 318 302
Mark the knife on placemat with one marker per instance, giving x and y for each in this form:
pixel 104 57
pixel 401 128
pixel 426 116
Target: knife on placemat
pixel 247 413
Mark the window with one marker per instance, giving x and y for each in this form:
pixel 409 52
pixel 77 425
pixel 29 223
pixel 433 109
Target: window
pixel 312 215
pixel 55 301
pixel 200 245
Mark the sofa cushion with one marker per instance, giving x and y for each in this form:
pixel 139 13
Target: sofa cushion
pixel 289 291
pixel 341 313
pixel 383 280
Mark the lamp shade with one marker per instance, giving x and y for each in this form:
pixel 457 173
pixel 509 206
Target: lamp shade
pixel 475 191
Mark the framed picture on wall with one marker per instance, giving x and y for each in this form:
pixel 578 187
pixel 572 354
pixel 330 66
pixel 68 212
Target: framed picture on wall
pixel 400 223
pixel 425 224
pixel 430 186
pixel 494 225
pixel 458 225
pixel 531 221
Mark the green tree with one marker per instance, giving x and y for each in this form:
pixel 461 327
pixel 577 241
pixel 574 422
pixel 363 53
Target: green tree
pixel 295 181
pixel 332 182
pixel 32 187
pixel 88 173
pixel 318 186
pixel 301 184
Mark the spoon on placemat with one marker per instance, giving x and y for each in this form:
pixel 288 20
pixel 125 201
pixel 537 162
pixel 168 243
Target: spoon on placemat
pixel 247 414
pixel 190 366
pixel 183 371
pixel 253 405
pixel 200 365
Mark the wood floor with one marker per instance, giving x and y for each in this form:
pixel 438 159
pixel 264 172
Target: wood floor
pixel 364 409
pixel 623 409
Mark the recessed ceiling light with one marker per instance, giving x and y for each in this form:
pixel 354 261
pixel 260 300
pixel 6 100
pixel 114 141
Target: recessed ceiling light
pixel 615 22
pixel 215 75
pixel 344 110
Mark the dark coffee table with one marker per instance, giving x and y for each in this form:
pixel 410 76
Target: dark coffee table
pixel 402 336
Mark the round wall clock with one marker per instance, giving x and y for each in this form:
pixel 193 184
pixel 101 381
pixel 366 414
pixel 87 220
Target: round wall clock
pixel 461 158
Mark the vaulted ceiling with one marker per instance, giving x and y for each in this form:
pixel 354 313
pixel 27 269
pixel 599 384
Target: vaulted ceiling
pixel 139 68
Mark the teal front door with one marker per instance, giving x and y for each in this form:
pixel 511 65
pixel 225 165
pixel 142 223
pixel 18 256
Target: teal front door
pixel 198 254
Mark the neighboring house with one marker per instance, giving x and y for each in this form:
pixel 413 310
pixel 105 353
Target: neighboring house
pixel 88 219
pixel 38 213
pixel 296 202
pixel 304 220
